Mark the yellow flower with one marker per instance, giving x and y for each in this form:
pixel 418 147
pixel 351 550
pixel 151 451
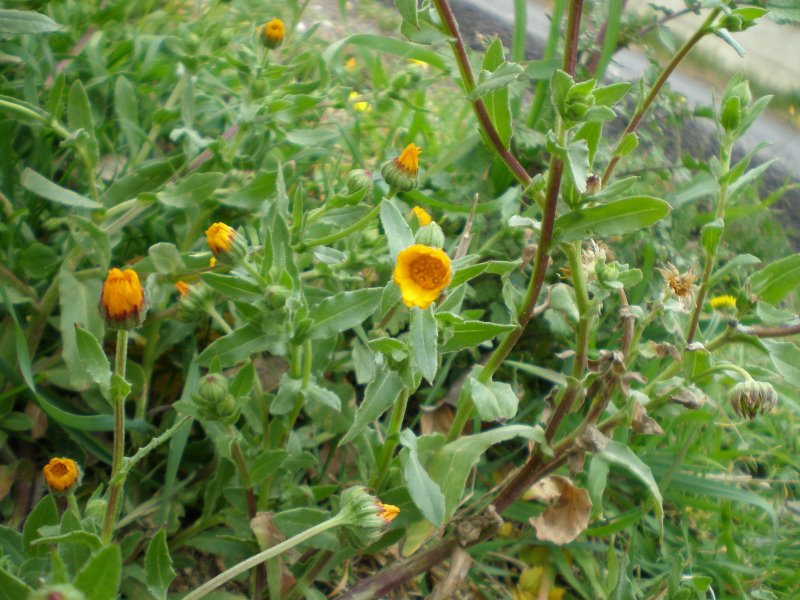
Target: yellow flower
pixel 409 159
pixel 123 303
pixel 361 106
pixel 402 173
pixel 387 512
pixel 422 272
pixel 422 215
pixel 182 287
pixel 351 64
pixel 726 302
pixel 61 473
pixel 419 63
pixel 273 32
pixel 212 262
pixel 227 245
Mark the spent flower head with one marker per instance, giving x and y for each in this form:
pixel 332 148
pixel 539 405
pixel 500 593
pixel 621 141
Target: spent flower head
pixel 681 284
pixel 422 272
pixel 123 302
pixel 749 398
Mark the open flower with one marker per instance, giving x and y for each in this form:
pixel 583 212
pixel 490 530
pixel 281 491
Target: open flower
pixel 227 245
pixel 358 103
pixel 272 33
pixel 61 474
pixel 123 302
pixel 402 173
pixel 423 217
pixel 721 303
pixel 422 272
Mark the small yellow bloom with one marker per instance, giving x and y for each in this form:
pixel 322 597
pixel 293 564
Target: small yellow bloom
pixel 182 287
pixel 220 237
pixel 212 262
pixel 419 63
pixel 726 302
pixel 61 473
pixel 122 299
pixel 273 32
pixel 409 159
pixel 360 106
pixel 422 215
pixel 351 64
pixel 422 272
pixel 387 512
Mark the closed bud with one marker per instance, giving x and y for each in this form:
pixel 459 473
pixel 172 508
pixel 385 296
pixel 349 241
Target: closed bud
pixel 62 591
pixel 272 33
pixel 96 509
pixel 227 245
pixel 430 235
pixel 593 184
pixel 751 397
pixel 732 23
pixel 61 475
pixel 731 115
pixel 402 173
pixel 214 401
pixel 365 517
pixel 123 302
pixel 194 303
pixel 359 182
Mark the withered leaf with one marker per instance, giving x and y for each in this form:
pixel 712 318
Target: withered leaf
pixel 642 423
pixel 566 517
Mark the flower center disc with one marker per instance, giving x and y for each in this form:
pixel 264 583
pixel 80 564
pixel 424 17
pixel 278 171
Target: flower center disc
pixel 428 273
pixel 59 469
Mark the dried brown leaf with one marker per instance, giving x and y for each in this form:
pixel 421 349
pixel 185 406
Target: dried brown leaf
pixel 567 517
pixel 642 423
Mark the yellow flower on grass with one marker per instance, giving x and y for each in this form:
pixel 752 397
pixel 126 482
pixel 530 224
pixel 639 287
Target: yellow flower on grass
pixel 123 303
pixel 61 474
pixel 360 106
pixel 422 272
pixel 272 33
pixel 226 244
pixel 726 302
pixel 422 215
pixel 387 512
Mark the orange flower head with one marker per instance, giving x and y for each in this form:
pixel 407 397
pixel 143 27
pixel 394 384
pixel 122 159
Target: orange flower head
pixel 182 287
pixel 402 173
pixel 273 32
pixel 227 245
pixel 423 217
pixel 387 512
pixel 422 272
pixel 61 474
pixel 409 159
pixel 123 302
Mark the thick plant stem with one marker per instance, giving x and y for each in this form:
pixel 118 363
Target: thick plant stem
pixel 115 488
pixel 263 556
pixel 468 79
pixel 659 83
pixel 712 253
pixel 387 451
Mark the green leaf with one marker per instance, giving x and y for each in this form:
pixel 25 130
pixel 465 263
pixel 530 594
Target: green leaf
pixel 496 267
pixel 43 514
pixel 324 396
pixel 408 10
pixel 83 538
pixel 623 456
pixel 99 579
pixel 784 11
pixel 627 144
pixel 609 95
pixel 166 258
pixel 191 191
pixel 740 260
pixel 398 233
pixel 127 110
pixel 495 401
pixel 41 186
pixel 94 359
pixel 499 79
pixel 80 120
pixel 728 39
pixel 12 588
pixel 265 464
pixel 389 46
pixel 39 260
pixel 497 100
pixel 469 334
pixel 120 387
pixel 624 588
pixel 711 235
pixel 450 465
pixel 423 342
pixel 380 395
pixel 233 286
pixel 25 21
pixel 426 495
pixel 237 346
pixel 613 218
pixel 774 282
pixel 158 565
pixel 786 358
pixel 578 164
pixel 78 300
pixel 343 311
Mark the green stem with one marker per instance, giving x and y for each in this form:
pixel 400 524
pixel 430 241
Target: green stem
pixel 335 237
pixel 549 53
pixel 659 83
pixel 248 266
pixel 129 463
pixel 711 253
pixel 115 485
pixel 217 318
pixel 73 503
pixel 392 439
pixel 264 556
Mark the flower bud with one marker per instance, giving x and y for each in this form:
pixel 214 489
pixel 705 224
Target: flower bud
pixel 62 591
pixel 430 235
pixel 733 23
pixel 214 401
pixel 593 183
pixel 228 246
pixel 366 518
pixel 422 215
pixel 96 509
pixel 61 474
pixel 750 397
pixel 272 33
pixel 123 302
pixel 731 113
pixel 194 302
pixel 402 173
pixel 359 185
